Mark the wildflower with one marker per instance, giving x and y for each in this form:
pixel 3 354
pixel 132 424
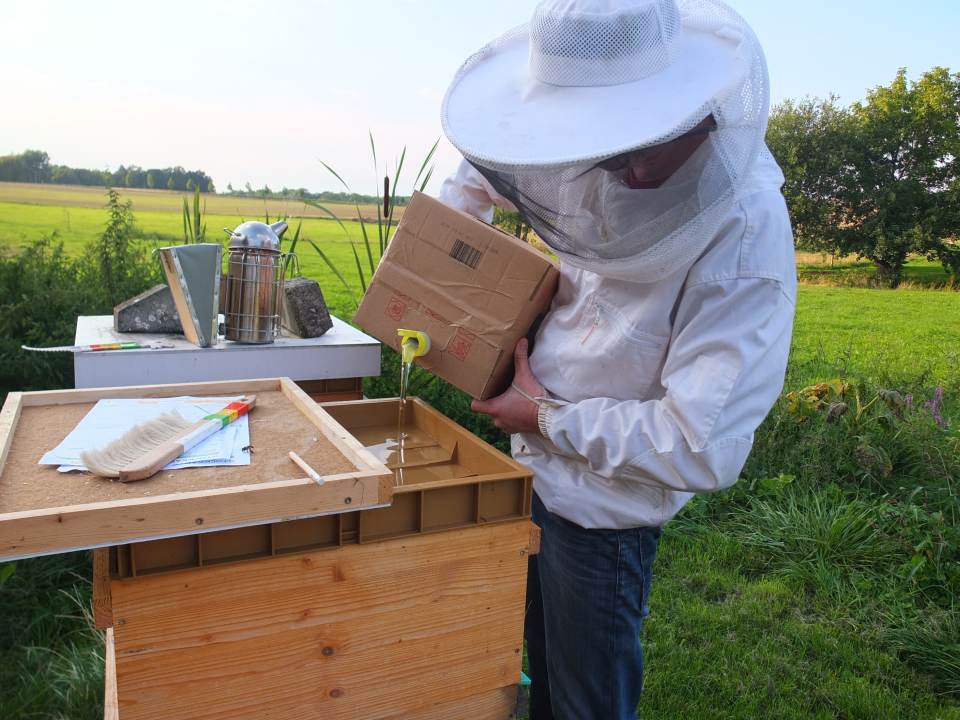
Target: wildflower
pixel 934 405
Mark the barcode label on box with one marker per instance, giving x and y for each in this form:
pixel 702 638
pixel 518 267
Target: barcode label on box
pixel 467 254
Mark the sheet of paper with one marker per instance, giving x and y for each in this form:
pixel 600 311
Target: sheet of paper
pixel 109 419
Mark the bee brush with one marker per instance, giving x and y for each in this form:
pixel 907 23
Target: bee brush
pixel 147 448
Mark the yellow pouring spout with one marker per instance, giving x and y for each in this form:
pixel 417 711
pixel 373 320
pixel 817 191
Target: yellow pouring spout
pixel 413 345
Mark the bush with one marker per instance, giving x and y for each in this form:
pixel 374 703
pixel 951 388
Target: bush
pixel 41 295
pixel 43 290
pixel 116 264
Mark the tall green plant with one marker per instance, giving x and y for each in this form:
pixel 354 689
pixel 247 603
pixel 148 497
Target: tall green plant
pixel 194 229
pixel 386 203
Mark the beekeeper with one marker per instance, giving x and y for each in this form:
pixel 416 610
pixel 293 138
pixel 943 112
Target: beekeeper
pixel 630 135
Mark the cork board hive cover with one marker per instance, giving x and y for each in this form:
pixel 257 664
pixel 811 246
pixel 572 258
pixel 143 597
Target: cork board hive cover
pixel 43 511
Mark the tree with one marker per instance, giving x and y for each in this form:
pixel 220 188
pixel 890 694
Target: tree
pixel 809 139
pixel 151 180
pixel 31 166
pixel 880 179
pixel 36 166
pixel 190 184
pixel 171 184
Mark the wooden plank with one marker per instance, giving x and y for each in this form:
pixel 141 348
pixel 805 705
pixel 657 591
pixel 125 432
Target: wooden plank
pixel 333 389
pixel 31 533
pixel 496 704
pixel 331 429
pixel 336 396
pixel 378 631
pixel 8 422
pixel 111 708
pixel 102 603
pixel 533 548
pixel 223 387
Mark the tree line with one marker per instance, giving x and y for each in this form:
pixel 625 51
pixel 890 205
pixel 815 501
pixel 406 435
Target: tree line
pixel 879 179
pixel 326 196
pixel 34 166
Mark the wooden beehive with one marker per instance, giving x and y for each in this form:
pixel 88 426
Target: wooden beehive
pixel 406 602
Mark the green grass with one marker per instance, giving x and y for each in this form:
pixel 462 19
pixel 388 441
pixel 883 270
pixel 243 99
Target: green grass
pixel 725 643
pixel 889 336
pixel 19 223
pixel 829 592
pixel 51 658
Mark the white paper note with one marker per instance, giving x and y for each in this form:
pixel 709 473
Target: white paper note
pixel 109 419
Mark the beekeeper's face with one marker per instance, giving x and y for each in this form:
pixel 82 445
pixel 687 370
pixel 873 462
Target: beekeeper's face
pixel 650 167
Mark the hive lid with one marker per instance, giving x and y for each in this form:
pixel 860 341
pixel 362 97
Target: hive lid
pixel 44 512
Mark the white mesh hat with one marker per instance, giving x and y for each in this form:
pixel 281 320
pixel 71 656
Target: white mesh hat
pixel 542 110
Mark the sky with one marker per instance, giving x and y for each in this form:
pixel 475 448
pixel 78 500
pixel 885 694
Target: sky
pixel 260 92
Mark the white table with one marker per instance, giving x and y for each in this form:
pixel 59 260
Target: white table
pixel 343 352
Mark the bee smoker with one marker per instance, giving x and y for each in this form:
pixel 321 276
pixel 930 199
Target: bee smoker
pixel 254 282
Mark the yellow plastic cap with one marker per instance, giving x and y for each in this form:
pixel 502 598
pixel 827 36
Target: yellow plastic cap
pixel 413 345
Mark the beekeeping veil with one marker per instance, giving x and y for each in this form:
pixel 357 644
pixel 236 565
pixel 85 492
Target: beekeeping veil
pixel 552 112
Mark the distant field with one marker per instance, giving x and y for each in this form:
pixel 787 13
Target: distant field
pixel 825 269
pixel 79 196
pixel 76 225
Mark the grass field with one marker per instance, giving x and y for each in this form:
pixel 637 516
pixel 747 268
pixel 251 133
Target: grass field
pixel 83 196
pixel 75 226
pixel 794 595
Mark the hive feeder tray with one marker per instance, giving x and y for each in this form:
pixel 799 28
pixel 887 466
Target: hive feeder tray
pixel 450 479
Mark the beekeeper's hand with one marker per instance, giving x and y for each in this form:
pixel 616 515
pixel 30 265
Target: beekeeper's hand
pixel 514 411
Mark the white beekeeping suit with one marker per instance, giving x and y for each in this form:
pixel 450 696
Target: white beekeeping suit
pixel 667 342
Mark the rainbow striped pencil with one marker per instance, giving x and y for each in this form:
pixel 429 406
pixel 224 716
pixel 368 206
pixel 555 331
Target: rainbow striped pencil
pixel 99 347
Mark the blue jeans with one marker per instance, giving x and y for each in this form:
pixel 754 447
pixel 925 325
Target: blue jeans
pixel 587 593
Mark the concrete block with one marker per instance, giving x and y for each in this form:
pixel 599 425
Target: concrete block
pixel 152 311
pixel 304 310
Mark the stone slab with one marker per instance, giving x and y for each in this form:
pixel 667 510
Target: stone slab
pixel 152 311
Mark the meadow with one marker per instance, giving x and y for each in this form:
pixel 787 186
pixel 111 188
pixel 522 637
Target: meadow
pixel 825 584
pixel 85 196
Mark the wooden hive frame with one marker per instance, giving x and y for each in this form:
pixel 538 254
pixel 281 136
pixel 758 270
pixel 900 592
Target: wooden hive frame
pixel 205 503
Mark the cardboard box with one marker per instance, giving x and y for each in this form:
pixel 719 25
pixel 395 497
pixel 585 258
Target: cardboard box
pixel 472 288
